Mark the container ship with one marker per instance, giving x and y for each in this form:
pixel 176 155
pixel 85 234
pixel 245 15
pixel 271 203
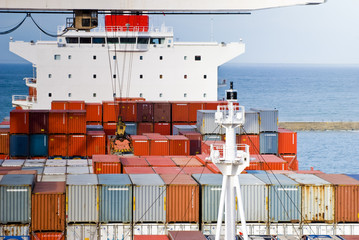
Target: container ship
pixel 65 174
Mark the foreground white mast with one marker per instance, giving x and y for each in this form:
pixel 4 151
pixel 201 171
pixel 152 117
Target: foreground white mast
pixel 231 159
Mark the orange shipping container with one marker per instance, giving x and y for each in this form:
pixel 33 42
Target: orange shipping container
pixel 134 162
pixel 76 122
pixel 213 105
pixel 76 105
pixel 206 146
pixel 59 105
pixel 144 128
pixel 346 197
pixel 47 236
pixel 58 145
pixel 287 141
pixel 19 121
pixel 193 108
pixel 96 143
pixel 58 121
pixel 93 112
pixel 159 145
pixel 106 164
pixel 182 198
pixel 48 207
pixel 162 128
pixel 168 170
pixel 186 161
pixel 138 170
pixel 151 237
pixel 211 166
pixel 141 145
pixel 39 121
pixel 291 160
pixel 267 162
pixel 109 128
pixel 180 111
pixel 77 146
pixel 160 161
pixel 252 141
pixel 128 111
pixel 179 145
pixel 110 111
pixel 4 141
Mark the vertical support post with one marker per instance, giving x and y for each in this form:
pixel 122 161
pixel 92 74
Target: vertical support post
pixel 221 207
pixel 241 209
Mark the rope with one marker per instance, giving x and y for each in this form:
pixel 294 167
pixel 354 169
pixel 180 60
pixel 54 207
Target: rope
pixel 16 27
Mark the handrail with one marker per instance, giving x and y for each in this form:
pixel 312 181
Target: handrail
pixel 222 150
pixel 162 29
pixel 29 80
pixel 23 98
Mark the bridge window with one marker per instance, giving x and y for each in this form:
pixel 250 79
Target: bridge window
pixel 185 95
pixel 157 41
pixel 141 76
pixel 204 95
pixel 94 76
pixel 161 76
pixel 205 76
pixel 98 40
pixel 185 76
pixel 161 58
pixel 143 40
pixel 50 94
pixel 114 57
pixel 160 94
pixel 141 95
pixel 94 94
pixel 72 40
pixel 57 56
pixel 94 57
pixel 197 58
pixel 141 57
pixel 127 40
pixel 69 76
pixel 50 76
pixel 85 40
pixel 185 58
pixel 69 94
pixel 112 40
pixel 114 76
pixel 69 57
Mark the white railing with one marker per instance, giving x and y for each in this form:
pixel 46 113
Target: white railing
pixel 23 98
pixel 162 29
pixel 220 151
pixel 30 82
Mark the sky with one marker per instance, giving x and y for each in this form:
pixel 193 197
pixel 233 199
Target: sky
pixel 316 34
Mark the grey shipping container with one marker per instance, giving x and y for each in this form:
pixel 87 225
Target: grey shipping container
pixel 81 232
pixel 131 128
pixel 185 128
pixel 317 198
pixel 115 198
pixel 15 198
pixel 206 123
pixel 149 194
pixel 284 197
pixel 254 193
pixel 251 125
pixel 268 119
pixel 268 143
pixel 82 198
pixel 212 138
pixel 1 162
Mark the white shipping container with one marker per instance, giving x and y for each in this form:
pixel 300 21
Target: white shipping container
pixel 15 230
pixel 82 232
pixel 115 232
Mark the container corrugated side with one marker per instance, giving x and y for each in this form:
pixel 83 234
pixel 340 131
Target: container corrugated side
pixel 186 235
pixel 81 232
pixel 77 145
pixel 115 198
pixel 93 112
pixel 15 230
pixel 115 231
pixel 48 236
pixel 19 121
pixel 251 125
pixel 268 120
pixel 287 141
pixel 149 198
pixel 39 121
pixel 15 195
pixel 4 141
pixel 58 145
pixel 95 143
pixel 38 145
pixel 162 112
pixel 76 122
pixel 206 123
pixel 58 121
pixel 144 112
pixel 162 128
pixel 131 128
pixel 19 145
pixel 268 143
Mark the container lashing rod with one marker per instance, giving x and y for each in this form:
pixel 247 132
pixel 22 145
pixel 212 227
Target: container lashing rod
pixel 231 159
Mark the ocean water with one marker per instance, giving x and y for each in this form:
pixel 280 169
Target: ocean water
pixel 299 92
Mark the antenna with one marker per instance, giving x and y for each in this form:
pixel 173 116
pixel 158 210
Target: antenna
pixel 231 159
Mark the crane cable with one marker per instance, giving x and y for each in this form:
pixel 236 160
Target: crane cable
pixel 16 27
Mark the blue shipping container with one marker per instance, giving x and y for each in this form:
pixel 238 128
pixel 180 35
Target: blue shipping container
pixel 38 145
pixel 268 143
pixel 115 198
pixel 131 128
pixel 19 145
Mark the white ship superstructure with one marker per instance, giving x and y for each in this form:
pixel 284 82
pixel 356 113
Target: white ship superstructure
pixel 104 63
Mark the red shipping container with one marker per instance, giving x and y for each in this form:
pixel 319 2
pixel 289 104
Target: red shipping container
pixel 128 111
pixel 58 121
pixel 130 99
pixel 188 235
pixel 58 145
pixel 19 121
pixel 106 164
pixel 159 145
pixel 206 146
pixel 138 170
pixel 162 112
pixel 4 141
pixel 203 158
pixel 110 111
pixel 291 160
pixel 186 161
pixel 182 197
pixel 144 112
pixel 96 143
pixel 180 111
pixel 287 141
pixel 213 105
pixel 77 146
pixel 151 237
pixel 144 128
pixel 193 107
pixel 134 161
pixel 141 145
pixel 168 170
pixel 38 121
pixel 179 145
pixel 211 166
pixel 267 162
pixel 59 105
pixel 162 128
pixel 196 170
pixel 194 142
pixel 48 236
pixel 126 23
pixel 109 128
pixel 160 161
pixel 252 141
pixel 76 105
pixel 76 122
pixel 93 112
